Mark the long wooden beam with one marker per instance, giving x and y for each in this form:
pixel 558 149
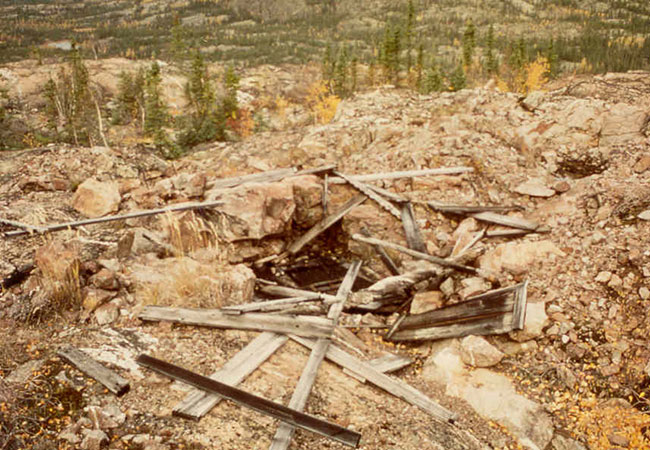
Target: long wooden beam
pixel 300 325
pixel 132 215
pixel 259 404
pixel 404 174
pixel 111 380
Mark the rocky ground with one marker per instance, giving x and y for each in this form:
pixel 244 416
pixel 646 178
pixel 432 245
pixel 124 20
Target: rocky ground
pixel 576 158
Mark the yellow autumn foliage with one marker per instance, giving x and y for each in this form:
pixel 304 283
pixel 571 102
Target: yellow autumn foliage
pixel 600 424
pixel 535 75
pixel 321 103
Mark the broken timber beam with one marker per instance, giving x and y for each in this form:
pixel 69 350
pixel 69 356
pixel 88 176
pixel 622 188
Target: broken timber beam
pixel 284 433
pixel 509 221
pixel 300 325
pixel 270 305
pixel 383 255
pixel 283 291
pixel 415 254
pixel 259 404
pixel 324 224
pixel 387 363
pixel 461 209
pixel 393 386
pixel 370 193
pixel 112 381
pixel 198 403
pixel 404 174
pixel 411 229
pixel 132 215
pixel 266 177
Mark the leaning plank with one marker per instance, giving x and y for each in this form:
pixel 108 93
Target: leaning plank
pixel 270 305
pixel 132 215
pixel 259 404
pixel 370 193
pixel 411 229
pixel 300 325
pixel 284 433
pixel 383 255
pixel 198 403
pixel 389 384
pixel 519 311
pixel 434 259
pixel 492 303
pixel 492 325
pixel 404 174
pixel 324 224
pixel 112 381
pixel 508 221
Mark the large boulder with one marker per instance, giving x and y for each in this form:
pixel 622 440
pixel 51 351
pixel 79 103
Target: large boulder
pixel 623 123
pixel 95 198
pixel 536 320
pixel 517 258
pixel 255 210
pixel 477 352
pixel 492 395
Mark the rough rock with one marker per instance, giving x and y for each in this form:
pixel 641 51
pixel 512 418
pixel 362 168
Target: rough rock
pixel 477 352
pixel 57 260
pixel 105 279
pixel 426 301
pixel 492 395
pixel 536 320
pixel 642 164
pixel 254 211
pixel 561 442
pixel 93 439
pixel 94 298
pixel 24 372
pixel 463 235
pixel 473 286
pixel 518 258
pixel 95 198
pixel 447 287
pixel 139 241
pixel 534 188
pixel 308 192
pixel 623 123
pixel 645 215
pixel 107 313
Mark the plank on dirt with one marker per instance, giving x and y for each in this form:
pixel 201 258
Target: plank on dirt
pixel 300 325
pixel 411 228
pixel 389 384
pixel 498 324
pixel 370 193
pixel 259 404
pixel 270 305
pixel 112 381
pixel 404 174
pixel 198 403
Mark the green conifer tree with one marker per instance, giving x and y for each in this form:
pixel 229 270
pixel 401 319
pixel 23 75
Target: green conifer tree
pixel 469 43
pixel 457 80
pixel 408 34
pixel 492 61
pixel 434 81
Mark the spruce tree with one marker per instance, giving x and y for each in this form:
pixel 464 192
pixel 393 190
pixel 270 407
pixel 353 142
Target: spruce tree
pixel 433 82
pixel 492 62
pixel 552 58
pixel 408 34
pixel 469 43
pixel 341 74
pixel 457 79
pixel 155 110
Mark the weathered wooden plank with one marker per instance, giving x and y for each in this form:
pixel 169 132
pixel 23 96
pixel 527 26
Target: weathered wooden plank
pixel 508 221
pixel 111 380
pixel 325 194
pixel 390 362
pixel 459 252
pixel 132 215
pixel 324 224
pixel 366 190
pixel 388 194
pixel 462 209
pixel 300 395
pixel 261 177
pixel 383 255
pixel 495 302
pixel 24 226
pixel 283 291
pixel 434 259
pixel 385 364
pixel 198 403
pixel 519 311
pixel 411 229
pixel 262 405
pixel 404 174
pixel 508 233
pixel 300 325
pixel 389 384
pixel 492 325
pixel 269 305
